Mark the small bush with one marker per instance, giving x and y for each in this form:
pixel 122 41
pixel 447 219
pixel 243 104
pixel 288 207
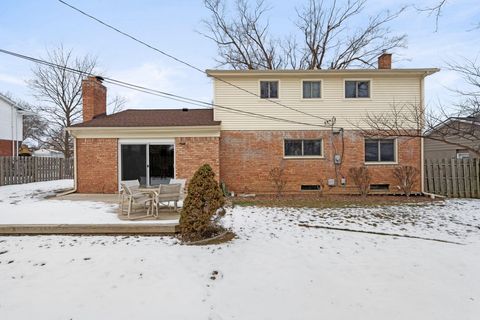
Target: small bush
pixel 203 200
pixel 406 177
pixel 361 178
pixel 277 178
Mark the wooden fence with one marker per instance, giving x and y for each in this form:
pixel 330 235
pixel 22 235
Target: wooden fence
pixel 453 177
pixel 16 170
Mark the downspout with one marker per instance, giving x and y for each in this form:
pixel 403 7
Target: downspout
pixel 74 169
pixel 422 160
pixel 12 129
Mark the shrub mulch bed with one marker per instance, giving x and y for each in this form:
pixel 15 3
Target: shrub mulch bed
pixel 331 201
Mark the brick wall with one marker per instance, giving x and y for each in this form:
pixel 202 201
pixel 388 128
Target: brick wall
pixel 5 148
pixel 97 165
pixel 248 156
pixel 192 152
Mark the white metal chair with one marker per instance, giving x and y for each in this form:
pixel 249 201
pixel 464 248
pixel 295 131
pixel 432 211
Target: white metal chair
pixel 167 193
pixel 134 199
pixel 181 182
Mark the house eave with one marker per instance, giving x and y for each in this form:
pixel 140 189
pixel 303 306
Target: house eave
pixel 323 72
pixel 145 132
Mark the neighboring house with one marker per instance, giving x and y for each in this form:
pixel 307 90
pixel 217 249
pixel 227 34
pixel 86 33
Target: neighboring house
pixel 461 132
pixel 242 149
pixel 48 153
pixel 11 126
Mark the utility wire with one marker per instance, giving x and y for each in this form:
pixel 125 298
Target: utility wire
pixel 159 93
pixel 327 122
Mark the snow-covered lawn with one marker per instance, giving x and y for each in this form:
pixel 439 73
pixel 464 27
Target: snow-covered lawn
pixel 26 203
pixel 275 269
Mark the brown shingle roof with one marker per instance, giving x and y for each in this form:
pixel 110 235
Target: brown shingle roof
pixel 154 118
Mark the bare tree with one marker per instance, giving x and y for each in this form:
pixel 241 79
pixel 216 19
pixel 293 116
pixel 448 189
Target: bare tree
pixel 34 125
pixel 61 92
pixel 328 39
pixel 458 125
pixel 361 178
pixel 406 176
pixel 116 104
pixel 243 40
pixel 411 121
pixel 331 43
pixel 278 179
pixel 436 10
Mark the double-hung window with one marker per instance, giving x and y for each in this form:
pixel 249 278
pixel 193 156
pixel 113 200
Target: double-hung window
pixel 303 148
pixel 269 89
pixel 357 89
pixel 380 150
pixel 311 90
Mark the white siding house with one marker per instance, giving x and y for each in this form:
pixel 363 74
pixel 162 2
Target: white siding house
pixel 11 126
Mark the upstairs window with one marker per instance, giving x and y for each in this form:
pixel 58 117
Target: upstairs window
pixel 303 148
pixel 311 90
pixel 379 150
pixel 269 89
pixel 357 89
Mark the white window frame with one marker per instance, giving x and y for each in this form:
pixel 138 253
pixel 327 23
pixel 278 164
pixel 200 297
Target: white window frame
pixel 311 80
pixel 321 156
pixel 370 89
pixel 395 152
pixel 260 89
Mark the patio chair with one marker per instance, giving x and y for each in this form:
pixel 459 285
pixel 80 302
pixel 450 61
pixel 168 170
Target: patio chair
pixel 134 199
pixel 167 193
pixel 182 182
pixel 132 184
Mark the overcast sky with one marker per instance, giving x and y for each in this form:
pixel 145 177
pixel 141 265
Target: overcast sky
pixel 32 26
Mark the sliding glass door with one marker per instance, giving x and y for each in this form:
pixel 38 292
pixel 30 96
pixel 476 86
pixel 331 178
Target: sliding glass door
pixel 160 164
pixel 134 162
pixel 150 164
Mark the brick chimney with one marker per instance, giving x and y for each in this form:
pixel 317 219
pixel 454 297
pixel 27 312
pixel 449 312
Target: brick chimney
pixel 385 61
pixel 94 96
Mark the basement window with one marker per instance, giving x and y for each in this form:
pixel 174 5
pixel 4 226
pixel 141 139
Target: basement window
pixel 310 187
pixel 380 187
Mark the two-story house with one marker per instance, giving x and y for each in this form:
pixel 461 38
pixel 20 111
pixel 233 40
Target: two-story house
pixel 11 126
pixel 304 121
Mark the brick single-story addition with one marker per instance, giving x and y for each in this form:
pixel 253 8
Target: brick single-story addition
pixel 154 146
pixel 148 145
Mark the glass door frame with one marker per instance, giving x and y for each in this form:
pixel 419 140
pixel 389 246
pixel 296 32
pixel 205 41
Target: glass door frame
pixel 147 143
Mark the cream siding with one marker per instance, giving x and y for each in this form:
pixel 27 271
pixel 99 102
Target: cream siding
pixel 385 90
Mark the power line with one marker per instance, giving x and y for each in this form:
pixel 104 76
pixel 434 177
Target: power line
pixel 155 92
pixel 328 122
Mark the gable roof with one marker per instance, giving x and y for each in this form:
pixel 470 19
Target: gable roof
pixel 473 120
pixel 10 101
pixel 153 118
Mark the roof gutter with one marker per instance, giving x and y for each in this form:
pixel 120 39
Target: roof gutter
pixel 145 132
pixel 418 71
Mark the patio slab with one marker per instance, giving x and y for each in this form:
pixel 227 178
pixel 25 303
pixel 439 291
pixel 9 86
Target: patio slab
pixel 89 229
pixel 164 213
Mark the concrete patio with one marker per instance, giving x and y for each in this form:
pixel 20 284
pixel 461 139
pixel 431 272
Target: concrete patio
pixel 138 224
pixel 164 213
